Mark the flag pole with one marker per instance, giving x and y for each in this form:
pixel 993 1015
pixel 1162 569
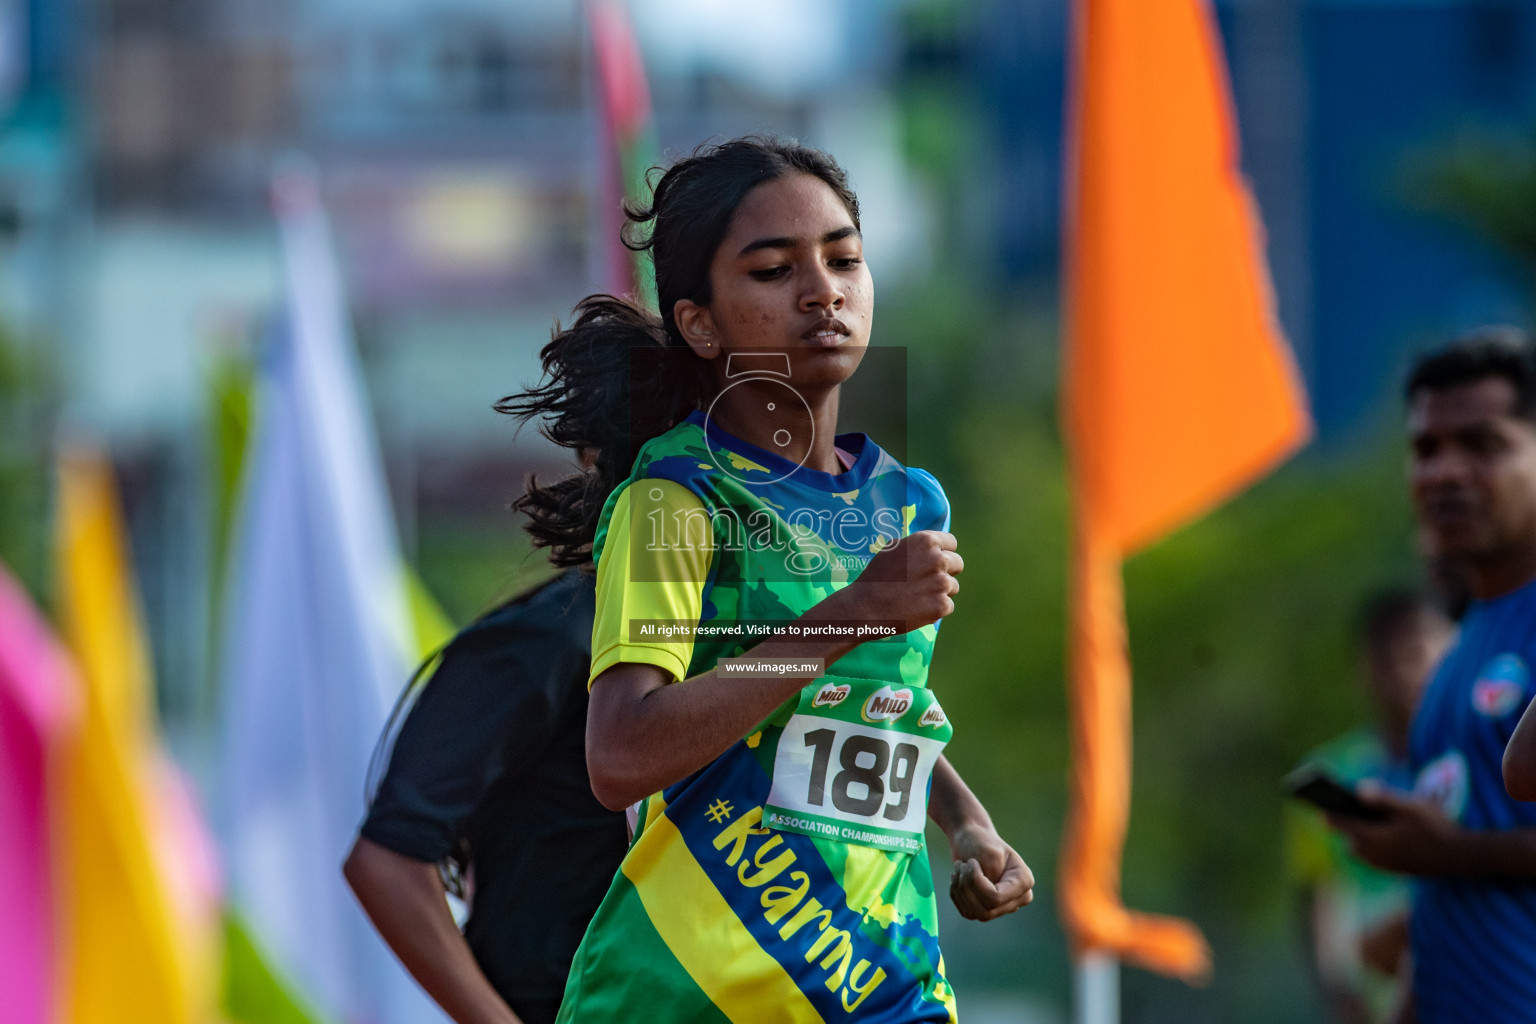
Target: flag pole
pixel 1096 988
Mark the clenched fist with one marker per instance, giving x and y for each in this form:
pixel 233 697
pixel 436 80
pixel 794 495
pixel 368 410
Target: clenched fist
pixel 911 582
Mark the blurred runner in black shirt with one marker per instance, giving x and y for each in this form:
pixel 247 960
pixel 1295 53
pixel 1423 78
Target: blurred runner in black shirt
pixel 492 760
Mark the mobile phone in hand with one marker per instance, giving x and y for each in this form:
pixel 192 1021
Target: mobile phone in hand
pixel 1317 787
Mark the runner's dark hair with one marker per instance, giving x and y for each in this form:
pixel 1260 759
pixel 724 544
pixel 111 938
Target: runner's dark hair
pixel 620 374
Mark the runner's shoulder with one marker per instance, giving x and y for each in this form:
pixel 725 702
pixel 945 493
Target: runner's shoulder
pixel 930 501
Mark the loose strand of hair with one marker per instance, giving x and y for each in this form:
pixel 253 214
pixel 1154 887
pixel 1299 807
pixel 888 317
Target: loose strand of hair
pixel 598 393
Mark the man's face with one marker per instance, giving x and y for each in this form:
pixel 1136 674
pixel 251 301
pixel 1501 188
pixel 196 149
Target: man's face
pixel 1472 471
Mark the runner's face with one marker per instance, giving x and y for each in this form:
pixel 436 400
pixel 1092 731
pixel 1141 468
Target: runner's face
pixel 789 277
pixel 1472 471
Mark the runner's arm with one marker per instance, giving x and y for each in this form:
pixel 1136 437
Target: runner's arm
pixel 989 879
pixel 645 732
pixel 408 905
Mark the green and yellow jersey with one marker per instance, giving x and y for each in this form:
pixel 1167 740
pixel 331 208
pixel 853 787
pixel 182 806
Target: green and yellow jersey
pixel 788 879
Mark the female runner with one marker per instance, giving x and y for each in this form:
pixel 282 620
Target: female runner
pixel 778 871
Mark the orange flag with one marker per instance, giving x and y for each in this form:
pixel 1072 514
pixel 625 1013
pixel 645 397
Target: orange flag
pixel 1179 390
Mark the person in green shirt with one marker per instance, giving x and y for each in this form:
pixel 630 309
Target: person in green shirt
pixel 1355 916
pixel 769 594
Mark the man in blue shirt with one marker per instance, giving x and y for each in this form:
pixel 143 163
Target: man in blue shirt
pixel 1471 848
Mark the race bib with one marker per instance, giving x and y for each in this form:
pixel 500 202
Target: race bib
pixel 854 763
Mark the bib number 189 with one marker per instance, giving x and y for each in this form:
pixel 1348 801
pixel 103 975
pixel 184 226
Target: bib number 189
pixel 861 783
pixel 852 782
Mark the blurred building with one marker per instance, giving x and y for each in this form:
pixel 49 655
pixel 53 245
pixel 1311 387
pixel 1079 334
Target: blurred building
pixel 457 143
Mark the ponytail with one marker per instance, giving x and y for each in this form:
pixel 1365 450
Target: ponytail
pixel 611 383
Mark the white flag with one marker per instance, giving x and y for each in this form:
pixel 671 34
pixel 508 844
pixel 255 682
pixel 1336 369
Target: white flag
pixel 317 645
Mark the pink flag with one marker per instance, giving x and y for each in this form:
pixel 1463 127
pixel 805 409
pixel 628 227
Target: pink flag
pixel 37 696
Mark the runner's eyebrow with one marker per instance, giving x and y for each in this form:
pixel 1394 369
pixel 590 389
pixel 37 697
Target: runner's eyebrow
pixel 789 243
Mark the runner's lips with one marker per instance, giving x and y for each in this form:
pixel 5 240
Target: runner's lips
pixel 828 331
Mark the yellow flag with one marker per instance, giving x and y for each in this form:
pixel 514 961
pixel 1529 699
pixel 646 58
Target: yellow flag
pixel 136 937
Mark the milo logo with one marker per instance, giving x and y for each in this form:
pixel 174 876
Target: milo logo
pixel 830 696
pixel 885 705
pixel 934 716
